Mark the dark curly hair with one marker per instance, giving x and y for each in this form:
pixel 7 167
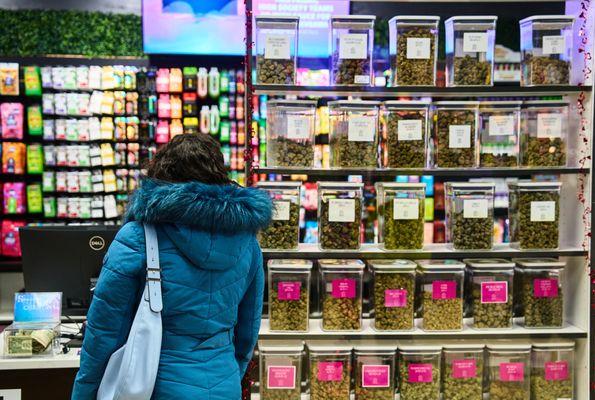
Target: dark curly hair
pixel 189 157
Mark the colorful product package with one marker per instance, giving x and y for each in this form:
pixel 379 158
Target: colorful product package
pixel 49 207
pixel 164 106
pixel 13 158
pixel 32 81
pixel 34 120
pixel 9 79
pixel 175 80
pixel 34 159
pixel 162 132
pixel 12 120
pixel 49 181
pixel 34 198
pixel 162 80
pixel 14 198
pixel 11 243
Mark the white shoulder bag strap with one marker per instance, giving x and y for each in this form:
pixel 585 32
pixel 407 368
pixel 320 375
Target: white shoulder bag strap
pixel 132 370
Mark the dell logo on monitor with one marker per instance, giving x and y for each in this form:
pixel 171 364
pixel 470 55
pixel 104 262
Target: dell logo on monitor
pixel 97 243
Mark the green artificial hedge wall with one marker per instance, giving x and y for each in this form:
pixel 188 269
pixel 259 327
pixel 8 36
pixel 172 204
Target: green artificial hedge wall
pixel 91 34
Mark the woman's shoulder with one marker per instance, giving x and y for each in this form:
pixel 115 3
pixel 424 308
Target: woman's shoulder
pixel 132 234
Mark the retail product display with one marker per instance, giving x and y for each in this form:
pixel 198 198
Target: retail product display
pixel 393 294
pixel 374 365
pixel 330 370
pixel 546 48
pixel 290 133
pixel 499 125
pixel 339 215
pixel 413 42
pixel 540 292
pixel 31 339
pixel 419 372
pixel 352 42
pixel 552 370
pixel 463 371
pixel 544 133
pixel 401 215
pixel 442 294
pixel 276 49
pixel 470 215
pixel 406 133
pixel 284 230
pixel 534 214
pixel 353 133
pixel 509 368
pixel 341 294
pixel 280 369
pixel 491 287
pixel 455 133
pixel 289 294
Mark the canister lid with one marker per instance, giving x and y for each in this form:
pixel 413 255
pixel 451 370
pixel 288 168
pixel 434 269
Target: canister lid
pixel 354 103
pixel 538 185
pixel 354 17
pixel 402 185
pixel 285 185
pixel 472 18
pixel 471 185
pixel 281 345
pixel 489 263
pixel 291 264
pixel 509 346
pixel 327 346
pixel 375 347
pixel 500 103
pixel 348 185
pixel 552 345
pixel 341 264
pixel 533 18
pixel 288 18
pixel 538 263
pixel 404 265
pixel 415 18
pixel 473 347
pixel 456 103
pixel 441 265
pixel 406 103
pixel 550 103
pixel 421 348
pixel 292 103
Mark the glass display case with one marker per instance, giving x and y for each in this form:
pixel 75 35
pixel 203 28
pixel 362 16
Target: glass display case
pixel 499 127
pixel 352 42
pixel 406 129
pixel 455 133
pixel 339 215
pixel 280 369
pixel 284 230
pixel 276 49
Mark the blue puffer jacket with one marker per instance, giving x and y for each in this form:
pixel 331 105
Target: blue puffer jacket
pixel 212 284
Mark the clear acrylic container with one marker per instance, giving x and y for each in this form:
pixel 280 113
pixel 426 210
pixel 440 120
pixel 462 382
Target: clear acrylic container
pixel 339 215
pixel 552 370
pixel 463 371
pixel 413 47
pixel 546 50
pixel 491 292
pixel 280 369
pixel 470 215
pixel 441 294
pixel 330 370
pixel 401 209
pixel 289 295
pixel 276 49
pixel 544 133
pixel 353 133
pixel 393 294
pixel 534 214
pixel 291 128
pixel 499 125
pixel 455 133
pixel 508 371
pixel 352 41
pixel 284 231
pixel 470 42
pixel 406 133
pixel 540 292
pixel 375 370
pixel 419 371
pixel 31 339
pixel 341 294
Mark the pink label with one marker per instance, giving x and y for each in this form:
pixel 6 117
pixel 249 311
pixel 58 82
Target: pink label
pixel 556 371
pixel 289 290
pixel 343 288
pixel 395 298
pixel 330 371
pixel 420 373
pixel 512 372
pixel 281 377
pixel 545 287
pixel 464 369
pixel 494 292
pixel 444 290
pixel 375 375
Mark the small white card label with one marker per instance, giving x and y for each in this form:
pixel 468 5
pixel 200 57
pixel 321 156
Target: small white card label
pixel 459 136
pixel 409 129
pixel 405 208
pixel 501 125
pixel 341 210
pixel 475 208
pixel 361 79
pixel 543 211
pixel 418 48
pixel 276 47
pixel 281 210
pixel 554 45
pixel 475 42
pixel 549 125
pixel 10 394
pixel 298 127
pixel 361 129
pixel 353 46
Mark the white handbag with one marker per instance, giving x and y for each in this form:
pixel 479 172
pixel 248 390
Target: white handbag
pixel 132 370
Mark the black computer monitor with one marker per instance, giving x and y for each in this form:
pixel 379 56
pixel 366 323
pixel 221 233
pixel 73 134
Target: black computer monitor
pixel 65 259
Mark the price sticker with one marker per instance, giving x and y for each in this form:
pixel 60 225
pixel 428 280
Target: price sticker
pixel 475 208
pixel 549 125
pixel 409 129
pixel 341 210
pixel 554 45
pixel 543 211
pixel 475 42
pixel 501 125
pixel 298 127
pixel 276 47
pixel 405 209
pixel 419 48
pixel 459 136
pixel 353 46
pixel 281 210
pixel 361 129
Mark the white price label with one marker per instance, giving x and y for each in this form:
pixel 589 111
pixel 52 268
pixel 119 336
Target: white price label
pixel 281 210
pixel 10 394
pixel 459 136
pixel 409 129
pixel 298 127
pixel 419 48
pixel 475 42
pixel 341 210
pixel 353 46
pixel 361 129
pixel 475 208
pixel 405 208
pixel 549 125
pixel 543 211
pixel 361 79
pixel 501 125
pixel 276 47
pixel 554 45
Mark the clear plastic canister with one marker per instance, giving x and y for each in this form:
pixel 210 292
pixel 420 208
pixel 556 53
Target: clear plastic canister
pixel 276 49
pixel 352 41
pixel 552 370
pixel 339 215
pixel 289 294
pixel 455 133
pixel 280 369
pixel 499 126
pixel 463 371
pixel 375 370
pixel 419 371
pixel 330 370
pixel 284 230
pixel 509 365
pixel 406 133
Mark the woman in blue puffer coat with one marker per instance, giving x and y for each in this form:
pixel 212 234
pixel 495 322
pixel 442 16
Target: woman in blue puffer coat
pixel 212 276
